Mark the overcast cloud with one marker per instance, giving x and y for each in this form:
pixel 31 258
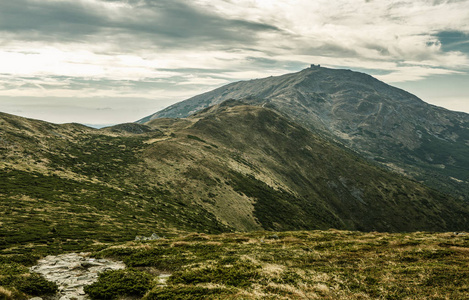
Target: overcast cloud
pixel 57 55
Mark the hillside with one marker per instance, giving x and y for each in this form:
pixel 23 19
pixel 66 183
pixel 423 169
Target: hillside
pixel 230 167
pixel 73 184
pixel 328 264
pixel 383 123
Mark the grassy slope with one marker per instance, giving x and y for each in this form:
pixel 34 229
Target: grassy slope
pixel 291 172
pixel 230 168
pixel 65 186
pixel 316 264
pixel 71 188
pixel 284 265
pixel 383 123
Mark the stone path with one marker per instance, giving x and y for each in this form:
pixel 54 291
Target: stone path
pixel 73 271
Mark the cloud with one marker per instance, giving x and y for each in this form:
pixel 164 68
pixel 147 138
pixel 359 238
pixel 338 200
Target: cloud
pixel 162 23
pixel 412 73
pixel 173 49
pixel 87 110
pixel 119 40
pixel 210 34
pixel 50 20
pixel 454 41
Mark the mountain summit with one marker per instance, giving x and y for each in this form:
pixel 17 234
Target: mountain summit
pixel 383 123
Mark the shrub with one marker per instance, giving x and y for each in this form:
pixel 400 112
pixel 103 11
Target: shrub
pixel 112 284
pixel 26 259
pixel 239 274
pixel 35 285
pixel 12 269
pixel 186 292
pixel 11 294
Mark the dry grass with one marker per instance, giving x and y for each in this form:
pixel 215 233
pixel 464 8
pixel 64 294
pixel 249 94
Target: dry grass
pixel 310 265
pixel 5 293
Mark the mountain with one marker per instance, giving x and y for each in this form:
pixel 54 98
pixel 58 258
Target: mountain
pixel 385 124
pixel 230 167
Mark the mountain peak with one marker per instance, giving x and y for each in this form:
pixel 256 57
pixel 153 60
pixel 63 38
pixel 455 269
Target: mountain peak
pixel 383 123
pixel 314 79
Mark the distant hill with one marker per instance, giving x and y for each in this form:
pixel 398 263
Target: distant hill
pixel 383 123
pixel 231 167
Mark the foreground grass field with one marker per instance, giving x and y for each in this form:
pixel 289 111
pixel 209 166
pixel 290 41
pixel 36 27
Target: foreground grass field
pixel 266 265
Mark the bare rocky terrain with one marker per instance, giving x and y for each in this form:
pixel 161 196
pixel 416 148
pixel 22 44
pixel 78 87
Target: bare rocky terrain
pixel 72 272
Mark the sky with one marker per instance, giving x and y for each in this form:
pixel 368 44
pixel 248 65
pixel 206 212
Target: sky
pixel 113 61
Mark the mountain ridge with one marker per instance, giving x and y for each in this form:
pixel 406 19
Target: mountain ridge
pixel 385 124
pixel 232 167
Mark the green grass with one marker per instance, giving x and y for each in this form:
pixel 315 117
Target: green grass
pixel 228 271
pixel 425 162
pixel 188 292
pixel 273 265
pixel 112 284
pixel 67 187
pixel 274 208
pixel 66 214
pixel 320 264
pixel 95 192
pixel 27 284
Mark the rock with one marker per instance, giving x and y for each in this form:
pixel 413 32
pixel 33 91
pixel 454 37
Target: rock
pixel 162 278
pixel 152 237
pixel 75 266
pixel 72 272
pixel 88 264
pixel 36 298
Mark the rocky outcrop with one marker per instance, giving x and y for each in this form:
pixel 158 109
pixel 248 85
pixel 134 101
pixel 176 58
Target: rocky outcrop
pixel 152 237
pixel 72 272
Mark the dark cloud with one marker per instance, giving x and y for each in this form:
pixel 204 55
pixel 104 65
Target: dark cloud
pixel 32 20
pixel 454 41
pixel 262 62
pixel 330 49
pixel 163 23
pixel 179 83
pixel 194 70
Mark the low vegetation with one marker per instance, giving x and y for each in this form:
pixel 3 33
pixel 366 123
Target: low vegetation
pixel 267 265
pixel 112 284
pixel 66 187
pixel 306 264
pixel 72 189
pixel 17 283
